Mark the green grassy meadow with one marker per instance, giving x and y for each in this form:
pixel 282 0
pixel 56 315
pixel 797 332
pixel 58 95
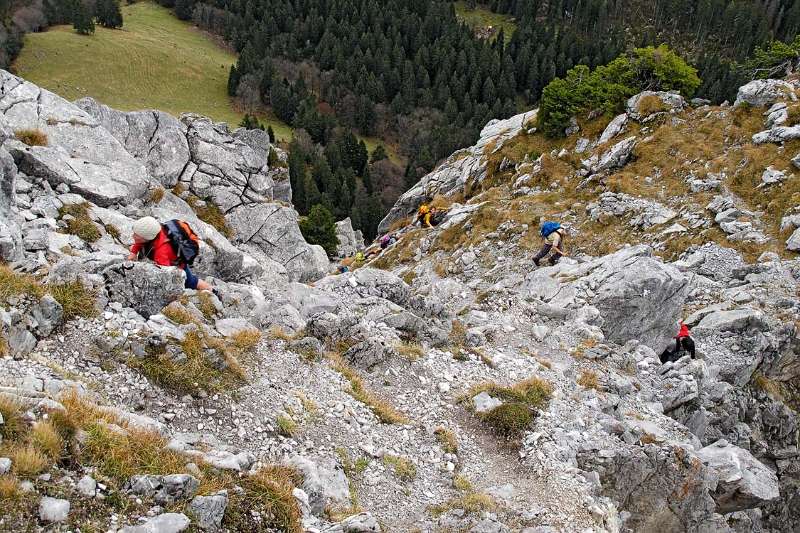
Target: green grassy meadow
pixel 154 61
pixel 481 17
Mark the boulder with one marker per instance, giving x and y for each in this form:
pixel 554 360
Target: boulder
pixel 483 403
pixel 360 523
pixel 144 287
pixel 614 128
pixel 761 93
pixel 744 482
pixel 273 230
pixel 350 240
pixel 10 233
pixel 324 481
pixel 48 315
pixel 639 297
pixel 87 486
pixel 228 327
pixel 640 106
pixel 366 282
pixel 793 242
pixel 772 176
pixel 736 320
pixel 154 138
pixel 615 157
pixel 80 153
pixel 53 509
pixel 209 511
pixel 369 353
pixel 777 135
pixel 163 523
pixel 164 490
pixel 224 169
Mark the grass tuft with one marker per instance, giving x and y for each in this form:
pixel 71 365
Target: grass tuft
pixel 411 351
pixel 47 439
pixel 268 494
pixel 472 503
pixel 9 488
pixel 157 194
pixel 509 418
pixel 75 299
pixel 447 439
pixel 178 314
pixel 32 137
pixel 246 340
pixel 81 224
pixel 385 411
pixel 206 305
pixel 589 380
pixel 196 371
pixel 13 284
pixel 13 418
pixel 286 426
pixel 403 467
pixel 27 461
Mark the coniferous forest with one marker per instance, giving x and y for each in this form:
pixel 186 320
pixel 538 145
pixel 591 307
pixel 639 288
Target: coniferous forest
pixel 411 73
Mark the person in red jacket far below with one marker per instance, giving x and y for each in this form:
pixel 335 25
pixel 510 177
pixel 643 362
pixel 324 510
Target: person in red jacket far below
pixel 683 342
pixel 150 241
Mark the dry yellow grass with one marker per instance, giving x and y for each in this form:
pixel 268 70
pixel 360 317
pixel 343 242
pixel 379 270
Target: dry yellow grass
pixel 13 283
pixel 403 467
pixel 178 314
pixel 75 298
pixel 47 440
pixel 26 460
pixel 206 305
pixel 472 503
pixel 447 439
pixel 13 420
pixel 411 351
pixel 589 379
pixel 651 104
pixel 81 223
pixel 382 409
pixel 31 137
pixel 9 488
pixel 246 340
pixel 157 194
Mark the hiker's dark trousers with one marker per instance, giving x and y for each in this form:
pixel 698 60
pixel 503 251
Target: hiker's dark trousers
pixel 544 251
pixel 683 344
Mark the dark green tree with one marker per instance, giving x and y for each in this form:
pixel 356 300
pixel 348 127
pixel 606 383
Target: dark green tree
pixel 319 228
pixel 108 13
pixel 82 20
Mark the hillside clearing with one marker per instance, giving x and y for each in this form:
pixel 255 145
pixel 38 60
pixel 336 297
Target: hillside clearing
pixel 154 61
pixel 482 17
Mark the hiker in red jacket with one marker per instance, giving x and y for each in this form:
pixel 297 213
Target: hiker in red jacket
pixel 683 343
pixel 151 241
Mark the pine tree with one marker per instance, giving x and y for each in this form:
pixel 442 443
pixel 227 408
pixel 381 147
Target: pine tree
pixel 108 13
pixel 82 20
pixel 319 228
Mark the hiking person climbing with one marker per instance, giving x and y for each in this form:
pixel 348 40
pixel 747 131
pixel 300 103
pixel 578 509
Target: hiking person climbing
pixel 553 236
pixel 170 244
pixel 424 215
pixel 388 240
pixel 683 343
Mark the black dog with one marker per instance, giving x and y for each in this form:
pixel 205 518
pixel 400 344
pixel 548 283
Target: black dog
pixel 673 353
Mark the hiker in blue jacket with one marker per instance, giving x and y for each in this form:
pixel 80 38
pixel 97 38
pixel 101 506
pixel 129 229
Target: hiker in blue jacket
pixel 553 236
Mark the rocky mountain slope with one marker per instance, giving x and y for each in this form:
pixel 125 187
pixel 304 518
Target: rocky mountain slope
pixel 444 386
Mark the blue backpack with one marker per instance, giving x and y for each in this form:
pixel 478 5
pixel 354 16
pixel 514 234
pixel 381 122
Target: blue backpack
pixel 550 227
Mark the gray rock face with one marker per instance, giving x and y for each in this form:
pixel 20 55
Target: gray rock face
pixel 366 282
pixel 670 102
pixel 464 166
pixel 793 242
pixel 224 169
pixel 736 320
pixel 645 213
pixel 209 511
pixel 615 157
pixel 53 509
pixel 744 482
pixel 163 523
pixel 614 128
pixel 369 353
pixel 643 480
pixel 144 287
pixel 272 229
pixel 5 462
pixel 483 403
pixel 761 93
pixel 360 523
pixel 164 490
pixel 10 233
pixel 80 153
pixel 323 480
pixel 156 139
pixel 777 134
pixel 350 240
pixel 48 315
pixel 87 486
